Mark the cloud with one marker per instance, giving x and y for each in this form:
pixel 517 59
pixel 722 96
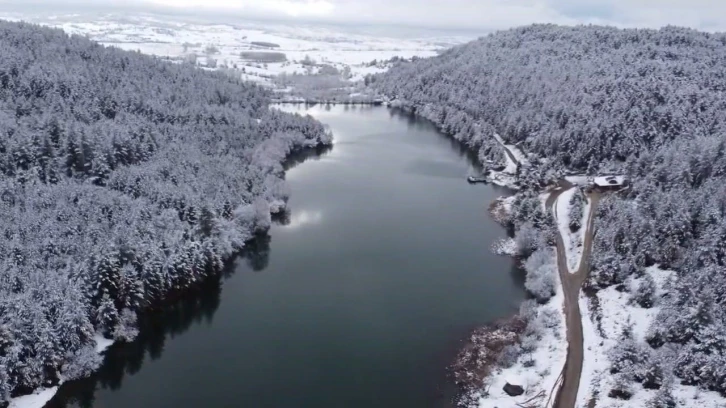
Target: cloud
pixel 481 15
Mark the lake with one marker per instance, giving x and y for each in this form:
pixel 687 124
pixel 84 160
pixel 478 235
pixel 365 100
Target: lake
pixel 360 297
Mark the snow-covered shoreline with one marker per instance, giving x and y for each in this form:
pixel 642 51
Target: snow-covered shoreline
pixel 663 220
pixel 607 313
pixel 41 396
pixel 538 365
pixel 538 368
pixel 493 395
pixel 36 400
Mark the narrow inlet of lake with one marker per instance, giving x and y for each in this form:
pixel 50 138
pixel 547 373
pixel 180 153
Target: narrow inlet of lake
pixel 360 298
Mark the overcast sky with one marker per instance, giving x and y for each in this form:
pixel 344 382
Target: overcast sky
pixel 482 15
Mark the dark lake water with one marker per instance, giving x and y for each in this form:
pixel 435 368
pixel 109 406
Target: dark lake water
pixel 360 300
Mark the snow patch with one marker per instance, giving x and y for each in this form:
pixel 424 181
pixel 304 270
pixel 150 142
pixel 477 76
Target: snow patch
pixel 689 396
pixel 503 179
pixel 605 181
pixel 102 343
pixel 41 396
pixel 615 314
pixel 508 203
pixel 660 277
pixel 35 400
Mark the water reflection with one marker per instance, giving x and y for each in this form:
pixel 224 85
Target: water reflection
pixel 305 155
pixel 372 305
pixel 156 327
pixel 196 306
pixel 415 123
pixel 256 254
pixel 304 217
pixel 433 168
pixel 298 218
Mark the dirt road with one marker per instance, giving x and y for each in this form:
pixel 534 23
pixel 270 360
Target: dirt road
pixel 508 152
pixel 566 396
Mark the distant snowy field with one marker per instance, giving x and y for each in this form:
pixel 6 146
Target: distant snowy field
pixel 180 39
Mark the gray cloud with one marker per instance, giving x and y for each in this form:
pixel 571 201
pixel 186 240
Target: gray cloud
pixel 482 15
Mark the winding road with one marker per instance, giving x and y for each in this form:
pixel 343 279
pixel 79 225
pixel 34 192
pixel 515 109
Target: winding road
pixel 566 395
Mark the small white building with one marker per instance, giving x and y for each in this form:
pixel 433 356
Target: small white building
pixel 610 182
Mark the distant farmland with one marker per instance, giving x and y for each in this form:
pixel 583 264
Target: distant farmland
pixel 265 44
pixel 261 56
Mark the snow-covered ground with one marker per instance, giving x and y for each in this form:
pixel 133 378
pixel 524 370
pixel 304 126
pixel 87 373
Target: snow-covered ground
pixel 537 372
pixel 511 164
pixel 573 241
pixel 578 180
pixel 507 177
pixel 505 246
pixel 518 154
pixel 616 312
pixel 501 211
pixel 609 181
pixel 37 400
pixel 41 396
pixel 102 343
pixel 503 179
pixel 601 181
pixel 508 203
pixel 179 39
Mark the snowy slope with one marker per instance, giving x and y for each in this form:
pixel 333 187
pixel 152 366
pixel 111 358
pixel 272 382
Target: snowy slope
pixel 616 312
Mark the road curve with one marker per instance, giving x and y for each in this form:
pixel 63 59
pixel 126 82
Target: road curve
pixel 566 395
pixel 508 152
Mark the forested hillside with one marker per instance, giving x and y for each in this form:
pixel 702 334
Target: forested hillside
pixel 647 103
pixel 122 179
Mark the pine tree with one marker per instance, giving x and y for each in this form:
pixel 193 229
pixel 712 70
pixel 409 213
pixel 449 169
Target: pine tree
pixel 94 223
pixel 644 296
pixel 106 315
pixel 575 210
pixel 5 385
pixel 654 376
pixel 622 388
pixel 663 399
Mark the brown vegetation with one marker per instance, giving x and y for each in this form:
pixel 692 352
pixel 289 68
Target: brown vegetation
pixel 481 354
pixel 499 212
